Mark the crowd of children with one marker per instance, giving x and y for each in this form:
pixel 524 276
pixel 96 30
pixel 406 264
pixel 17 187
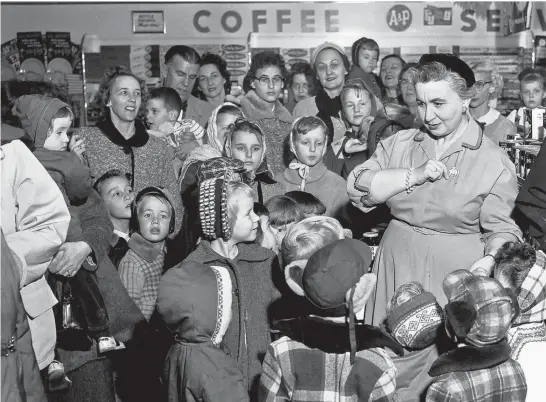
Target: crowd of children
pixel 256 287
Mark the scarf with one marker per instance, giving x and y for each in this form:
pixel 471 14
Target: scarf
pixel 328 108
pixel 212 128
pixel 531 295
pixel 303 171
pixel 139 139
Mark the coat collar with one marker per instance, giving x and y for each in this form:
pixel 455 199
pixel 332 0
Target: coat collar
pixel 139 139
pixel 145 249
pixel 471 358
pixel 330 337
pixel 248 252
pixel 255 108
pixel 315 173
pixel 471 139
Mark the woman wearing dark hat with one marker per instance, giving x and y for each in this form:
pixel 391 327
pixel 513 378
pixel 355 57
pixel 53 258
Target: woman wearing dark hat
pixel 450 189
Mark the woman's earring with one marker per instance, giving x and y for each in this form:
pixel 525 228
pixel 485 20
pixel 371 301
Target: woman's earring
pixel 109 104
pixel 464 109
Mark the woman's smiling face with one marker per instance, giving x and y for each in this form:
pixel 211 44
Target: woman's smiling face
pixel 125 98
pixel 330 69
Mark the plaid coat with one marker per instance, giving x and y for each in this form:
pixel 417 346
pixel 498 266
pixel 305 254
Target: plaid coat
pixel 293 371
pixel 471 374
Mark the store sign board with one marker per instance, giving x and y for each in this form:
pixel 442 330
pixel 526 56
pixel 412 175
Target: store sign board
pixel 435 16
pixel 399 18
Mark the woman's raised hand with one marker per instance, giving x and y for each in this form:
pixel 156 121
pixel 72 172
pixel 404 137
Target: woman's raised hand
pixel 77 145
pixel 431 170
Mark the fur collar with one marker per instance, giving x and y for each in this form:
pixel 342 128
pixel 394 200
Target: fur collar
pixel 139 139
pixel 471 358
pixel 330 337
pixel 315 173
pixel 256 108
pixel 145 249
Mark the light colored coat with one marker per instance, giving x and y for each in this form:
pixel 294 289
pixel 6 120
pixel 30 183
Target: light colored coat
pixel 35 221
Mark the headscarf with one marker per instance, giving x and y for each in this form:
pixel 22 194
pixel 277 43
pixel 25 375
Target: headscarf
pixel 531 294
pixel 249 177
pixel 213 149
pixel 303 169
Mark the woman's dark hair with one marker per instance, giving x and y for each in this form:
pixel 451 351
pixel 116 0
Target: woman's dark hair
pixel 110 75
pixel 260 210
pixel 309 204
pixel 13 89
pixel 264 59
pixel 514 260
pixel 305 69
pixel 221 65
pixel 390 56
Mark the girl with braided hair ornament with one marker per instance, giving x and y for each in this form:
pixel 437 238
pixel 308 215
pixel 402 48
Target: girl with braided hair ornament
pixel 229 225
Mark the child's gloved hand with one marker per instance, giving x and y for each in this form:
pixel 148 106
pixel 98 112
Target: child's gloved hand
pixel 166 127
pixel 183 150
pixel 354 145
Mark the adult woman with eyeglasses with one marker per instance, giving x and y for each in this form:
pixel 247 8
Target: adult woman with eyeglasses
pixel 450 190
pixel 212 84
pixel 489 84
pixel 263 85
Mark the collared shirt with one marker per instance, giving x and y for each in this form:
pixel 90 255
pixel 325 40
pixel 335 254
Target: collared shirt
pixel 123 235
pixel 478 196
pixel 489 117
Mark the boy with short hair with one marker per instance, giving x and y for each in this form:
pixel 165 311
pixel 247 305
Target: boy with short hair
pixel 116 192
pixel 142 267
pixel 47 120
pixel 164 109
pixel 479 314
pixel 532 92
pixel 332 360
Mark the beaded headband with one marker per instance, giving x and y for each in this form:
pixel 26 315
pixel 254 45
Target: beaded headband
pixel 213 209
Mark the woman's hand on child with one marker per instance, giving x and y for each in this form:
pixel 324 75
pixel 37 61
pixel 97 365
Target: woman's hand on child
pixel 484 266
pixel 69 258
pixel 354 145
pixel 77 145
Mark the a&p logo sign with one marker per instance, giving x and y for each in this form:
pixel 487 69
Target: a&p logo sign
pixel 399 18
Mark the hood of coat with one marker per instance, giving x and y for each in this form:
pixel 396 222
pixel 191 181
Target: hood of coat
pixel 200 310
pixel 36 113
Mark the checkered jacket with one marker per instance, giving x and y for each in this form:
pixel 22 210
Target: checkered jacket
pixel 293 372
pixel 502 383
pixel 140 275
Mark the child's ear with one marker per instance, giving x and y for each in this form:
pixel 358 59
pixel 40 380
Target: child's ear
pixel 293 274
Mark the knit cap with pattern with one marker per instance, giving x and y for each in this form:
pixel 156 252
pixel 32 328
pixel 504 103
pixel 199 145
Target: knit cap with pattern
pixel 415 322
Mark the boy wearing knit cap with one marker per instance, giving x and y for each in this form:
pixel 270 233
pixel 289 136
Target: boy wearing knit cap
pixel 142 267
pixel 334 360
pixel 479 313
pixel 414 319
pixel 47 120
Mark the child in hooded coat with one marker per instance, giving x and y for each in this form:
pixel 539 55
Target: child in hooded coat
pixel 522 271
pixel 194 301
pixel 37 114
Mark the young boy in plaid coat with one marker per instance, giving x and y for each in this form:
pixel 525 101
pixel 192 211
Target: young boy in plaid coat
pixel 478 316
pixel 331 361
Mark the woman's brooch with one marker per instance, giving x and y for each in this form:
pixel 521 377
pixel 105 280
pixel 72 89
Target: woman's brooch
pixel 453 172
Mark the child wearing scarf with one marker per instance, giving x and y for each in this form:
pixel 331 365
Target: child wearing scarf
pixel 307 172
pixel 523 272
pixel 245 142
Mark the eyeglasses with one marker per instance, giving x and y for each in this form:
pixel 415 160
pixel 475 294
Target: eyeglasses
pixel 266 80
pixel 481 84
